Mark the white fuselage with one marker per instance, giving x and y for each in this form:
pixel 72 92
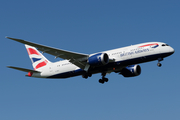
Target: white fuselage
pixel 120 58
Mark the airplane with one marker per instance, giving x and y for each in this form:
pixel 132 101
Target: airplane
pixel 123 61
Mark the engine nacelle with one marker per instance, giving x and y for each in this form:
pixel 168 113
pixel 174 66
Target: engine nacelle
pixel 98 59
pixel 131 71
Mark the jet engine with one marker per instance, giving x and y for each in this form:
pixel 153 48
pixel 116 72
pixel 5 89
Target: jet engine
pixel 98 59
pixel 131 71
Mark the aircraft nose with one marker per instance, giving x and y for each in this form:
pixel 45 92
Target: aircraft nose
pixel 171 50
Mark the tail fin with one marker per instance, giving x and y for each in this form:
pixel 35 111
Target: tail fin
pixel 37 59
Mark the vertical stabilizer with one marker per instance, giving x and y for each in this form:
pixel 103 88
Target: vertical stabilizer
pixel 38 60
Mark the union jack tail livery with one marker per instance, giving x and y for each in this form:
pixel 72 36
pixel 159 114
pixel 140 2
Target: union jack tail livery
pixel 38 60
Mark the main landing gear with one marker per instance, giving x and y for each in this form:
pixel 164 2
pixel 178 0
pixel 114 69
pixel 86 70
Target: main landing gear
pixel 159 64
pixel 103 78
pixel 86 75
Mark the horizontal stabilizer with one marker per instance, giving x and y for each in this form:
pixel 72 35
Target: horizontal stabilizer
pixel 23 69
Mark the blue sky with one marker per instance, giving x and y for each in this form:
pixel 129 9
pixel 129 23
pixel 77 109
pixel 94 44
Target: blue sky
pixel 87 27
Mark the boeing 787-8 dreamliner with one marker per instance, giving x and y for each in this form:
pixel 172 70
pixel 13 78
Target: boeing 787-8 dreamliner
pixel 123 60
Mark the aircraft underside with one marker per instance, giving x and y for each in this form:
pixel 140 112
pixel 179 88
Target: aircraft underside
pixel 112 67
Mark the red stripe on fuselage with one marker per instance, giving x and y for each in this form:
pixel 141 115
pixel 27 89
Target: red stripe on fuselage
pixel 32 51
pixel 148 45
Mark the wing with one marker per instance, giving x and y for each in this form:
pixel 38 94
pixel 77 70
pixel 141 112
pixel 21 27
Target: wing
pixel 78 59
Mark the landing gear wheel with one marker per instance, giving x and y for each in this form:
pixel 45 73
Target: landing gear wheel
pixel 89 75
pixel 159 64
pixel 85 76
pixel 106 79
pixel 101 81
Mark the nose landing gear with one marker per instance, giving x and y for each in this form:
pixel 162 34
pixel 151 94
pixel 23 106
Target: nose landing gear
pixel 159 64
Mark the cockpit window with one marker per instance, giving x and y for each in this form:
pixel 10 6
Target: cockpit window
pixel 165 45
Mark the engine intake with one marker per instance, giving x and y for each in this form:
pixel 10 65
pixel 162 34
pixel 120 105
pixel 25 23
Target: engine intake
pixel 98 59
pixel 131 71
